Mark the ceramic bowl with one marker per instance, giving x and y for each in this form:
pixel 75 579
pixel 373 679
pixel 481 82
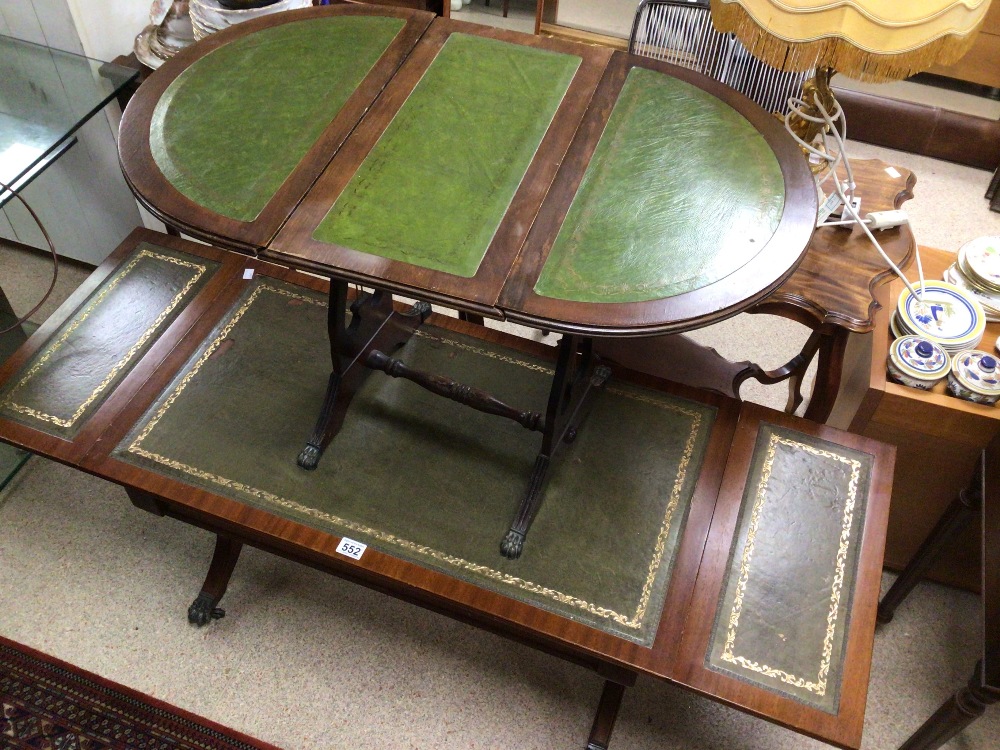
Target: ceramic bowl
pixel 975 376
pixel 917 362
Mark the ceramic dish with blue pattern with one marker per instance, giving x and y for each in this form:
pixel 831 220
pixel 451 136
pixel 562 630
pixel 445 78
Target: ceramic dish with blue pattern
pixel 975 376
pixel 917 362
pixel 944 314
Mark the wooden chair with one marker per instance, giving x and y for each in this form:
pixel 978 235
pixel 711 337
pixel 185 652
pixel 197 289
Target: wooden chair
pixel 681 32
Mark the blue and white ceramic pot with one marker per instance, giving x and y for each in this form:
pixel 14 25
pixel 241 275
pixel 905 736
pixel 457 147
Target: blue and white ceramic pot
pixel 975 376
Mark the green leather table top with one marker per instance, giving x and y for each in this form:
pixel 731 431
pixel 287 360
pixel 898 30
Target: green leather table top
pixel 72 375
pixel 783 618
pixel 232 127
pixel 434 188
pixel 602 546
pixel 681 192
pixel 483 151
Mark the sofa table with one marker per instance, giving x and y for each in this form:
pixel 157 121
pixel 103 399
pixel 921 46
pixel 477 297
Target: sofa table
pixel 169 338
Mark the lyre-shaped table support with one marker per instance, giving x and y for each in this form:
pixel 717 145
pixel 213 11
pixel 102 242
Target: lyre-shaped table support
pixel 361 345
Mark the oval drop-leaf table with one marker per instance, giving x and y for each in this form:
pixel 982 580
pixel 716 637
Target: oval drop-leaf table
pixel 554 184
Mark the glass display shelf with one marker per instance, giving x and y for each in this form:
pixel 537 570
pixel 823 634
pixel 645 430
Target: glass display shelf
pixel 45 96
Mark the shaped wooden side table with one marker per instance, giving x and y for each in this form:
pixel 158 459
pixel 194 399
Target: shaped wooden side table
pixel 832 292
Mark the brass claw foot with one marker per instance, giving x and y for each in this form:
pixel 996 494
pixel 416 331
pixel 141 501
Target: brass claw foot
pixel 512 545
pixel 203 610
pixel 309 457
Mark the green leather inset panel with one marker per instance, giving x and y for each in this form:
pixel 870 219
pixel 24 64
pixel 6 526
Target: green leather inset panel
pixel 783 617
pixel 232 127
pixel 72 375
pixel 437 184
pixel 681 191
pixel 429 480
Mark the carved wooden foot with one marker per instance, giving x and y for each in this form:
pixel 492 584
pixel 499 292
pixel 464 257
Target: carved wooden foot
pixel 203 610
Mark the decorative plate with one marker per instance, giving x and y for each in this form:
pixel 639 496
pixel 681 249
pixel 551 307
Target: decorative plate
pixel 990 300
pixel 945 314
pixel 981 257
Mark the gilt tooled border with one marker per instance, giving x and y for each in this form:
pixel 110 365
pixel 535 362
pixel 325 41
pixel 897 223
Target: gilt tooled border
pixel 633 622
pixel 66 423
pixel 818 685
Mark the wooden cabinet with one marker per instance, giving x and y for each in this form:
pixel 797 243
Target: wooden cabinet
pixel 982 63
pixel 938 440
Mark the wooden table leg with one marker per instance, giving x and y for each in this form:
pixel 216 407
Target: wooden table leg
pixel 203 610
pixel 607 714
pixel 963 708
pixel 962 510
pixel 374 325
pixel 829 372
pixel 577 378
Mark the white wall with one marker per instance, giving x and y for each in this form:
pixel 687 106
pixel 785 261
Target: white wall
pixel 107 28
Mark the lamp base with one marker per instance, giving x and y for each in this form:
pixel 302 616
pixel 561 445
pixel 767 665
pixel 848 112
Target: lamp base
pixel 810 124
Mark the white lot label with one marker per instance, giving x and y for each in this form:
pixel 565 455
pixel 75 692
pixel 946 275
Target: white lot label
pixel 351 548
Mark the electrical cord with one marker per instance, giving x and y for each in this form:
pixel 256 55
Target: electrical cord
pixel 833 160
pixel 55 260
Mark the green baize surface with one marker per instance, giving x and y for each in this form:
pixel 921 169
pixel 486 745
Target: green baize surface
pixel 681 192
pixel 434 189
pixel 232 127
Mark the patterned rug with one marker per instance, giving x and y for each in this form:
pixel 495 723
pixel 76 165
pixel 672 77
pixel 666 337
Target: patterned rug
pixel 49 704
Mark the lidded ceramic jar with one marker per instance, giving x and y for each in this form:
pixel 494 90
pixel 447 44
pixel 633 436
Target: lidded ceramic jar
pixel 975 376
pixel 917 362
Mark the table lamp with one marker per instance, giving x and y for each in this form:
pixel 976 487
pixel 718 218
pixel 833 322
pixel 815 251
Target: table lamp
pixel 870 40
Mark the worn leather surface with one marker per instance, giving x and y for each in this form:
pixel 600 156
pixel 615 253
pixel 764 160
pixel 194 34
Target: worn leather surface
pixel 72 375
pixel 783 617
pixel 429 480
pixel 232 127
pixel 682 191
pixel 434 189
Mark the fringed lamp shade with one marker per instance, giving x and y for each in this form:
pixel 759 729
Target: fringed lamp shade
pixel 870 40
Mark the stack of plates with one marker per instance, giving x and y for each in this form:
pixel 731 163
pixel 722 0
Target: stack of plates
pixel 208 16
pixel 978 271
pixel 946 314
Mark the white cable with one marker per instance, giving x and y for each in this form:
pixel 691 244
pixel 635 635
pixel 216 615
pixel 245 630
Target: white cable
pixel 796 107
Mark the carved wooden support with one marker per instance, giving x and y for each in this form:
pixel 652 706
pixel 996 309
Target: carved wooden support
pixel 467 395
pixel 203 610
pixel 607 714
